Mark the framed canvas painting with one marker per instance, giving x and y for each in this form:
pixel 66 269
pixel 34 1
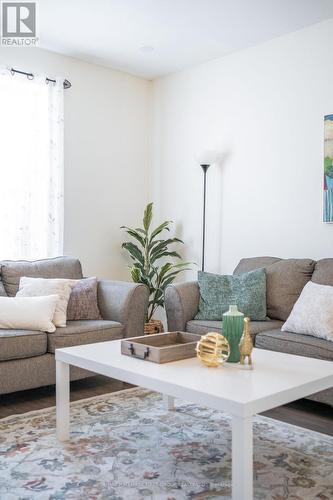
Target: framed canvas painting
pixel 328 168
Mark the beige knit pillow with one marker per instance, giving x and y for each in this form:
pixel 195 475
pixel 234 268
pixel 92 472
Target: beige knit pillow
pixel 37 287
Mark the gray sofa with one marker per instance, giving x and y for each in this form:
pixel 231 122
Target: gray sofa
pixel 27 357
pixel 285 281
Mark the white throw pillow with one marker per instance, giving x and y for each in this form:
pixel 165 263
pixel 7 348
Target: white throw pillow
pixel 28 313
pixel 36 287
pixel 312 314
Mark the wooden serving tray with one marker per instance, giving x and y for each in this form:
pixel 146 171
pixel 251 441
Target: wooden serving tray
pixel 161 347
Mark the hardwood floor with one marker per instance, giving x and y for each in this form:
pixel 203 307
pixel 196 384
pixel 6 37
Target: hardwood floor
pixel 44 397
pixel 304 413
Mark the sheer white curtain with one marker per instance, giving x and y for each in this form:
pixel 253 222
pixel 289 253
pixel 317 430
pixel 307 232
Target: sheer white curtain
pixel 31 167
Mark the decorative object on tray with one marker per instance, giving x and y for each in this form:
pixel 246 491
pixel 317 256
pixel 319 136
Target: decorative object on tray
pixel 161 348
pixel 146 253
pixel 213 349
pixel 246 345
pixel 153 326
pixel 232 329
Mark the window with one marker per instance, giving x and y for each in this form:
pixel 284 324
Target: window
pixel 31 167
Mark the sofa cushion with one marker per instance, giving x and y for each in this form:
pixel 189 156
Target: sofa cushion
pixel 2 288
pixel 295 343
pixel 40 287
pixel 286 279
pixel 59 267
pixel 28 373
pixel 218 291
pixel 250 263
pixel 312 313
pixel 28 313
pixel 83 302
pixel 204 326
pixel 323 272
pixel 84 332
pixel 18 344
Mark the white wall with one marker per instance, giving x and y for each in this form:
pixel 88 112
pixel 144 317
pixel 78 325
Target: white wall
pixel 263 109
pixel 106 155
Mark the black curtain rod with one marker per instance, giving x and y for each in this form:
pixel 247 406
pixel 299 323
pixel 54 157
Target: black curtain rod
pixel 67 84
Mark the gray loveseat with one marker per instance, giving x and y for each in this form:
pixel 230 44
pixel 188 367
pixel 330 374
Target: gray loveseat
pixel 285 281
pixel 27 357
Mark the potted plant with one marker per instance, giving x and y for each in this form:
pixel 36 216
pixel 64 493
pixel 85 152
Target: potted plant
pixel 152 264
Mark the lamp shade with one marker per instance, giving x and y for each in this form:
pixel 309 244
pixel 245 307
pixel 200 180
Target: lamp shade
pixel 207 157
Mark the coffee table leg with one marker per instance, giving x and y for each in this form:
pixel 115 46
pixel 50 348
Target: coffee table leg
pixel 242 458
pixel 62 400
pixel 169 402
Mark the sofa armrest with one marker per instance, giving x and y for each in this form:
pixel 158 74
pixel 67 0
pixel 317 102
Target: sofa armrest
pixel 181 304
pixel 124 302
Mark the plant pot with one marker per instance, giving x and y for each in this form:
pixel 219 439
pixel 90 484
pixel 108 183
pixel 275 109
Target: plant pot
pixel 153 326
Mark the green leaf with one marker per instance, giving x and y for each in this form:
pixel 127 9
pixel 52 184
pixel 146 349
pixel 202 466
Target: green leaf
pixel 140 230
pixel 151 274
pixel 134 233
pixel 157 245
pixel 168 282
pixel 157 303
pixel 154 243
pixel 136 275
pixel 182 264
pixel 158 248
pixel 145 281
pixel 164 254
pixel 160 228
pixel 158 294
pixel 169 278
pixel 134 252
pixel 139 266
pixel 176 269
pixel 173 254
pixel 164 269
pixel 147 216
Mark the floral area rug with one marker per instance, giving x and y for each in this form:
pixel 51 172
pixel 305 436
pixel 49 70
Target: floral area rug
pixel 126 445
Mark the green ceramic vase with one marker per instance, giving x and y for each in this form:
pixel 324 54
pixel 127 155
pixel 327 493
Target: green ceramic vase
pixel 232 329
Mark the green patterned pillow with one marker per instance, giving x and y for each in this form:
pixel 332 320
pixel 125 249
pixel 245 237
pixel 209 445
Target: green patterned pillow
pixel 218 292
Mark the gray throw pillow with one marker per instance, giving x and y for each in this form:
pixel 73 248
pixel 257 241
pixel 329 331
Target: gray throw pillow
pixel 218 292
pixel 82 302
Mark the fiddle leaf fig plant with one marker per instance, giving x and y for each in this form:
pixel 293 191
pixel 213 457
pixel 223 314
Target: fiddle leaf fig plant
pixel 151 262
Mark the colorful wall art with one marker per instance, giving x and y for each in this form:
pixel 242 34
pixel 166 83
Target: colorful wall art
pixel 328 168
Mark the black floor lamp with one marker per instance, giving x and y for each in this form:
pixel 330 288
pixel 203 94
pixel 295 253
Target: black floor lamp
pixel 205 167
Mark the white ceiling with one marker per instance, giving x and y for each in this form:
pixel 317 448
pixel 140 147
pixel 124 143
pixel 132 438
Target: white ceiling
pixel 181 32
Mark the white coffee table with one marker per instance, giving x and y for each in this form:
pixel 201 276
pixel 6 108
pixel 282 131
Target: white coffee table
pixel 277 379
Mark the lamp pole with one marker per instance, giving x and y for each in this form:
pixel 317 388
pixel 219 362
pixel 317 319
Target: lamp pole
pixel 204 167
